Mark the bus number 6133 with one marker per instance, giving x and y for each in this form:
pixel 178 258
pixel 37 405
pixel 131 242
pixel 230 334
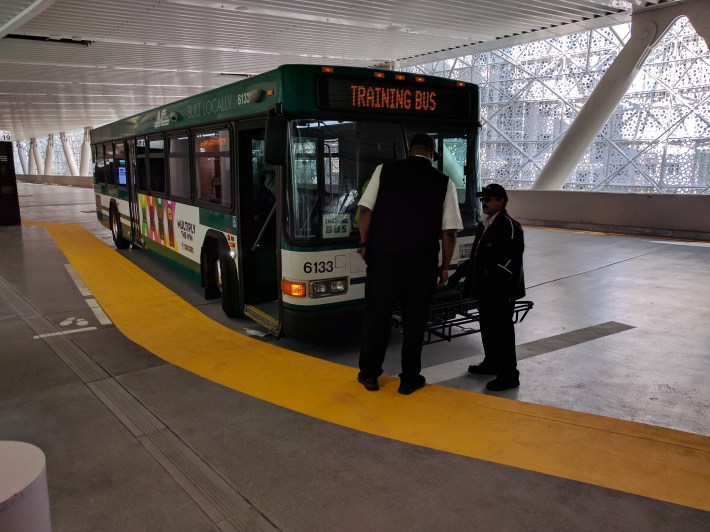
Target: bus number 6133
pixel 318 267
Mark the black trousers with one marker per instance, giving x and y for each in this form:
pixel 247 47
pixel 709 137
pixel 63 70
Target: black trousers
pixel 384 289
pixel 498 335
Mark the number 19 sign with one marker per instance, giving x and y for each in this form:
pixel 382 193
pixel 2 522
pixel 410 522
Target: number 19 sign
pixel 5 136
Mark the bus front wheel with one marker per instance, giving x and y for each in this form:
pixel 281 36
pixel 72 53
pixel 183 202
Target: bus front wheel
pixel 220 278
pixel 230 288
pixel 117 229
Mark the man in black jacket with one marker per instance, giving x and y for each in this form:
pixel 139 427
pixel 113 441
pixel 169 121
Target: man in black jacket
pixel 407 206
pixel 495 278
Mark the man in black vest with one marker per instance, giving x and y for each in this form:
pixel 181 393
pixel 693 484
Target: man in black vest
pixel 407 206
pixel 494 276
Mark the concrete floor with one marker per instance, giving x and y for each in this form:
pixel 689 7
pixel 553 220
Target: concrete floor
pixel 618 329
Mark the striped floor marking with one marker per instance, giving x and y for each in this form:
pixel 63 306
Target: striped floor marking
pixel 60 333
pixel 228 510
pixel 655 462
pixel 89 298
pixel 457 368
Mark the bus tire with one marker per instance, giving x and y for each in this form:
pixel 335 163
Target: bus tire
pixel 117 229
pixel 219 276
pixel 230 286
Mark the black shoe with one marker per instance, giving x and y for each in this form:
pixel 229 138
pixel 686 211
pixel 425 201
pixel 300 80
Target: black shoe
pixel 370 383
pixel 481 369
pixel 502 383
pixel 407 388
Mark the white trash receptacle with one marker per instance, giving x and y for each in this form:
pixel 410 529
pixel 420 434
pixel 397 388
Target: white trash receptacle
pixel 24 497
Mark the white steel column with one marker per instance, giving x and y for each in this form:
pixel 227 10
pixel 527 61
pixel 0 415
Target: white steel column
pixel 33 165
pixel 68 155
pixel 85 153
pixel 22 155
pixel 49 155
pixel 35 157
pixel 647 27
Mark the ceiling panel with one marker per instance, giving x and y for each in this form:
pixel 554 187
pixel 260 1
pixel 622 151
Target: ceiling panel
pixel 68 64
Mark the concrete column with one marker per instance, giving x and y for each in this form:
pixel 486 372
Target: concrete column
pixel 24 497
pixel 647 27
pixel 68 155
pixel 32 170
pixel 85 162
pixel 49 155
pixel 23 158
pixel 35 157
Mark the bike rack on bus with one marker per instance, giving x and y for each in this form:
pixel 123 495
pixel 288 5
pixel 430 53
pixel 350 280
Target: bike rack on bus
pixel 452 319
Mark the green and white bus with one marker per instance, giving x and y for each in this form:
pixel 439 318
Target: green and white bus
pixel 252 188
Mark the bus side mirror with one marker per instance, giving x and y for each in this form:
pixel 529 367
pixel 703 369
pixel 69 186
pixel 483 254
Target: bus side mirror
pixel 276 144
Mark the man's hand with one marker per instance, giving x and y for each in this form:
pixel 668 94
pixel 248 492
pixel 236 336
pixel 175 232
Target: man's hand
pixel 443 276
pixel 448 243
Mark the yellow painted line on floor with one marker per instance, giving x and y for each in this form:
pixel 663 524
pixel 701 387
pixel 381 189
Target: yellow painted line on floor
pixel 651 461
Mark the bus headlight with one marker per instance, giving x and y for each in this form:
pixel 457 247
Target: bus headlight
pixel 329 287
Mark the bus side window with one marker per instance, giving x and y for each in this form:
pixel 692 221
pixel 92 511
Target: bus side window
pixel 179 166
pixel 141 165
pixel 119 164
pixel 108 163
pixel 213 181
pixel 156 165
pixel 99 170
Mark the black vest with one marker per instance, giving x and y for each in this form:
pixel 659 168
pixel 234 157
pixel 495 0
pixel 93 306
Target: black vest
pixel 406 220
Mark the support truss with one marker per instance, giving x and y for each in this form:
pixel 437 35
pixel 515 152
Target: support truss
pixel 657 140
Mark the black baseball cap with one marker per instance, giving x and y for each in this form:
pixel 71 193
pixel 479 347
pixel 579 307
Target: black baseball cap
pixel 493 190
pixel 422 139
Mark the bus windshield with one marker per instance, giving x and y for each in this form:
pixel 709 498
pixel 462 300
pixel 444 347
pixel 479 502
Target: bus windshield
pixel 332 161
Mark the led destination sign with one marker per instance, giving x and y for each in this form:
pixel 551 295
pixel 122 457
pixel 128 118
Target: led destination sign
pixel 391 97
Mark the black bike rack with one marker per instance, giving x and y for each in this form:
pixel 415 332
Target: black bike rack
pixel 453 319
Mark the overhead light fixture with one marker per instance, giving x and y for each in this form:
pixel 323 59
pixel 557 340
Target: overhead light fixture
pixel 49 39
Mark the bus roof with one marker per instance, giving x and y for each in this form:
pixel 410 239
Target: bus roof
pixel 307 89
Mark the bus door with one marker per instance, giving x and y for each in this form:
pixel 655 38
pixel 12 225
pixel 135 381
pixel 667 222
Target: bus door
pixel 133 191
pixel 258 235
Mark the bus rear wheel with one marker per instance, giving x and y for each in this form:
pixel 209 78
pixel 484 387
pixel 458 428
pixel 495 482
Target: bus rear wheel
pixel 117 230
